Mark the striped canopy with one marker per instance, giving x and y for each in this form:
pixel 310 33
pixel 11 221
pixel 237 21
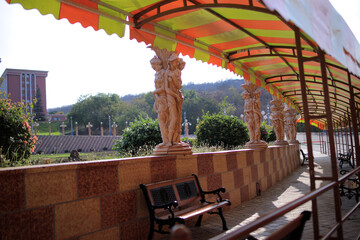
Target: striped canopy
pixel 313 123
pixel 254 39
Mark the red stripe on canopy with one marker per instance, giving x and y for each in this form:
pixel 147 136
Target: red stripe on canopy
pixel 142 36
pixel 184 49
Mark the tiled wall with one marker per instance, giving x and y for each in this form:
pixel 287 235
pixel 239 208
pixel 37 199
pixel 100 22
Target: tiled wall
pixel 102 199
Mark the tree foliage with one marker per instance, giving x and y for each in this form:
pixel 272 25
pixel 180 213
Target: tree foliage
pixel 198 98
pixel 142 135
pixel 96 109
pixel 38 107
pixel 221 130
pixel 194 106
pixel 300 127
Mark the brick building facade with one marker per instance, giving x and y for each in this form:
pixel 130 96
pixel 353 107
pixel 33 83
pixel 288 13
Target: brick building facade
pixel 22 85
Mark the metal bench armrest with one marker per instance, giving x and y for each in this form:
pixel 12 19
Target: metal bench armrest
pixel 166 206
pixel 215 192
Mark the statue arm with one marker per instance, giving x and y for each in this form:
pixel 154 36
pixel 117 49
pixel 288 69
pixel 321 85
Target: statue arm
pixel 158 91
pixel 169 91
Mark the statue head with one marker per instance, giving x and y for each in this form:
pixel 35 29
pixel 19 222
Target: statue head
pixel 173 61
pixel 181 64
pixel 156 63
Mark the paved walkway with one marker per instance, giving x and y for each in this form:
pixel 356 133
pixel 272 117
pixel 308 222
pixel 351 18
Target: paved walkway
pixel 290 188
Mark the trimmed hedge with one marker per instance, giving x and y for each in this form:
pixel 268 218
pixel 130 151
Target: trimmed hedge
pixel 221 130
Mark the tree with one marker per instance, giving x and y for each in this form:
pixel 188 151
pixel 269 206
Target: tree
pixel 38 107
pixel 96 109
pixel 141 136
pixel 195 106
pixel 221 130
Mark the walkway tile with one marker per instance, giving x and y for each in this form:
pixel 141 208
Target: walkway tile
pixel 290 188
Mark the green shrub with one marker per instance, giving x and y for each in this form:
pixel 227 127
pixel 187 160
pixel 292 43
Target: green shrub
pixel 271 135
pixel 16 139
pixel 263 132
pixel 221 130
pixel 142 135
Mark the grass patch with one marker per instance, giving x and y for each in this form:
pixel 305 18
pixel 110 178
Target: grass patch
pixel 36 159
pixel 64 157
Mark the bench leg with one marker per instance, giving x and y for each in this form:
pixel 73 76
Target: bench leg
pixel 222 219
pixel 198 222
pixel 151 233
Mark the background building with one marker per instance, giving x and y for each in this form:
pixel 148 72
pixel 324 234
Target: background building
pixel 23 85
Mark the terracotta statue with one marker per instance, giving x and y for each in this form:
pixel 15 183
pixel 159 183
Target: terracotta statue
pixel 174 96
pixel 168 101
pixel 290 124
pixel 160 104
pixel 252 113
pixel 277 120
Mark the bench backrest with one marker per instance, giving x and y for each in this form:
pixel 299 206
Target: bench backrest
pixel 183 190
pixel 349 154
pixel 293 230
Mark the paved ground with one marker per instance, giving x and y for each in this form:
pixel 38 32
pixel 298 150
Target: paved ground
pixel 287 190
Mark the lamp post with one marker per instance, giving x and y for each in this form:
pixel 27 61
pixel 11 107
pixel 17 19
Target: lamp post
pixel 268 113
pixel 109 125
pixel 76 129
pixel 242 117
pixel 71 126
pixel 263 114
pixel 36 125
pixel 114 126
pixel 63 126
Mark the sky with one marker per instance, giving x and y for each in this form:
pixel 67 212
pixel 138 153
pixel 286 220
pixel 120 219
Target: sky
pixel 84 61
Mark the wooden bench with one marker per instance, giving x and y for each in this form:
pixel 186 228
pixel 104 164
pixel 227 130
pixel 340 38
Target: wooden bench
pixel 351 187
pixel 176 201
pixel 345 158
pixel 293 230
pixel 305 157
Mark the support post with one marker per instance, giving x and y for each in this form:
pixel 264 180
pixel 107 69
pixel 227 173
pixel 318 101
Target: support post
pixel 332 145
pixel 351 137
pixel 354 119
pixel 308 132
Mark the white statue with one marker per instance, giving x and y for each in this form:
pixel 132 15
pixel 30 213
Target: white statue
pixel 252 113
pixel 277 120
pixel 168 101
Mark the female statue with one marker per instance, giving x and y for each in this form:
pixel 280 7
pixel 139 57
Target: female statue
pixel 160 105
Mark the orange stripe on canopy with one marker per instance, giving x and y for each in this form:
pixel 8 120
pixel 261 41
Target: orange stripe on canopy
pixel 85 18
pixel 313 122
pixel 261 24
pixel 208 29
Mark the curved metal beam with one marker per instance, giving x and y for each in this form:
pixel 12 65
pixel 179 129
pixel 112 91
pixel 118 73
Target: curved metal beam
pixel 317 95
pixel 139 23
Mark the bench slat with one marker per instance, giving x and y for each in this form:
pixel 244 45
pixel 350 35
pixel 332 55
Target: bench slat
pixel 174 201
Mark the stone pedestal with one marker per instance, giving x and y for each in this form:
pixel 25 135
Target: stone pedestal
pixel 256 145
pixel 294 142
pixel 176 149
pixel 281 142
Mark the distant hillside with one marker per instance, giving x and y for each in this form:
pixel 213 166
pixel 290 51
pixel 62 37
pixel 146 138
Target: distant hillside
pixel 216 86
pixel 223 85
pixel 64 109
pixel 217 91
